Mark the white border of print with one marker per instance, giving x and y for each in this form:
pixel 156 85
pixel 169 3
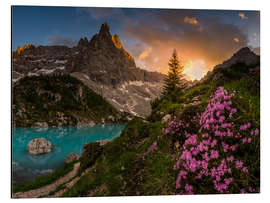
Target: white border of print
pixel 191 4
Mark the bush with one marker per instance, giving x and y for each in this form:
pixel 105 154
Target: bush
pixel 222 156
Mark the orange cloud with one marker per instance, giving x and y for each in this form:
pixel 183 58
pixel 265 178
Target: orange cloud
pixel 236 39
pixel 242 15
pixel 194 69
pixel 191 20
pixel 191 42
pixel 145 53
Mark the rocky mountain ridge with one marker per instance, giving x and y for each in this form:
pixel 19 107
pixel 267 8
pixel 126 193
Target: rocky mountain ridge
pixel 243 58
pixel 101 63
pixel 244 55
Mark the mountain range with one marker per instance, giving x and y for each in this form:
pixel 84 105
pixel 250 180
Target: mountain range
pixel 101 63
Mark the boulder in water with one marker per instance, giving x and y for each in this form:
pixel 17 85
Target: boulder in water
pixel 39 146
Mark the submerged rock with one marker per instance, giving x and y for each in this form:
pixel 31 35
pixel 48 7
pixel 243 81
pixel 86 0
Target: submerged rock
pixel 71 157
pixel 39 146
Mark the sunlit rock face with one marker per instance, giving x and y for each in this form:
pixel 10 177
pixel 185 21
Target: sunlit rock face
pixel 101 63
pixel 104 60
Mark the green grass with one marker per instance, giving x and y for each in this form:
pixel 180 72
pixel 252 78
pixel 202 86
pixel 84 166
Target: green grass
pixel 91 152
pixel 118 171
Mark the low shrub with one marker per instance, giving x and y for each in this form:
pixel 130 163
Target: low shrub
pixel 223 156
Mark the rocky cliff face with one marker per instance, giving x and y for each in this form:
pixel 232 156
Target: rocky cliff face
pixel 104 60
pixel 244 56
pixel 243 60
pixel 101 63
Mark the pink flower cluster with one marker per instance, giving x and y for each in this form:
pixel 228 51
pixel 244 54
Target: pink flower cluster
pixel 210 153
pixel 152 148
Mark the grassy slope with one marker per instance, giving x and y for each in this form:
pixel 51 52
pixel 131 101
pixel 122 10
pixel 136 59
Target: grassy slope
pixel 125 168
pixel 57 100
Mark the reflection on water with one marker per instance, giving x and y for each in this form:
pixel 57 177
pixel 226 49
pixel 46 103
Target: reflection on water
pixel 64 140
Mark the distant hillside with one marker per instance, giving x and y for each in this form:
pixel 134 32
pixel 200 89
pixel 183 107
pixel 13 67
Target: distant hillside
pixel 59 100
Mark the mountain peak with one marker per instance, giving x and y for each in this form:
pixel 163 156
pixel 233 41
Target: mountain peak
pixel 245 51
pixel 243 55
pixel 104 29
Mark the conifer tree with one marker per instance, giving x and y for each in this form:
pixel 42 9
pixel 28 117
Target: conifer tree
pixel 173 81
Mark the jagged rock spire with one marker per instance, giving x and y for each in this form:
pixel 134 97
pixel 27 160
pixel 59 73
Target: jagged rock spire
pixel 104 30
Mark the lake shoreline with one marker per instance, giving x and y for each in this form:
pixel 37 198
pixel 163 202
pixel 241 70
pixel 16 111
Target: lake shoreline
pixel 26 167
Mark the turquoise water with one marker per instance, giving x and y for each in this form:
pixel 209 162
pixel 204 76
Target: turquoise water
pixel 64 139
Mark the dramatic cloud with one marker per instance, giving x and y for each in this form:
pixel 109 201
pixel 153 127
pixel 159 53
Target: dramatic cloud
pixel 145 53
pixel 199 49
pixel 192 20
pixel 60 40
pixel 242 15
pixel 236 39
pixel 202 39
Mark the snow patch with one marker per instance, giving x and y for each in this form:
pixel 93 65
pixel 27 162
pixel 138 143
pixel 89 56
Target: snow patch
pixel 116 102
pixel 61 68
pixel 136 83
pixel 39 60
pixel 147 99
pixel 32 74
pixel 60 61
pixel 86 76
pixel 45 71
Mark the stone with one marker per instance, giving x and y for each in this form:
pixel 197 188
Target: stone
pixel 103 142
pixel 39 146
pixel 41 125
pixel 92 123
pixel 111 118
pixel 166 118
pixel 71 157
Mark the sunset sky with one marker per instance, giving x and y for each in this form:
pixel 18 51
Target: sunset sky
pixel 202 38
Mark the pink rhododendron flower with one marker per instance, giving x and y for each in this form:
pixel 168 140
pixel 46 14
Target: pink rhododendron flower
pixel 238 164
